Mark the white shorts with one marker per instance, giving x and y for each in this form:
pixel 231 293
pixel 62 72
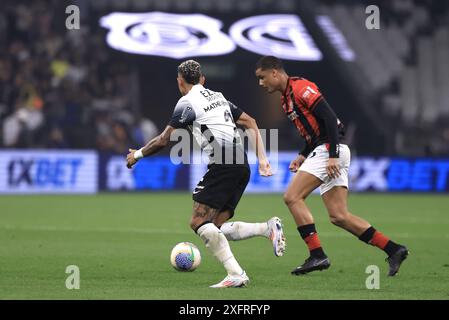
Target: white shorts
pixel 316 163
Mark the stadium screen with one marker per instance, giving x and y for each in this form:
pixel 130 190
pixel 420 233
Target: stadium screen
pixel 228 47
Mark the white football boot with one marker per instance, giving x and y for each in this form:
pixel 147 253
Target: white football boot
pixel 233 281
pixel 276 235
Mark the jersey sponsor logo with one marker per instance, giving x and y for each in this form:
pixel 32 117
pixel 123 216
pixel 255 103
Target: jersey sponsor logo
pixel 306 94
pixel 185 114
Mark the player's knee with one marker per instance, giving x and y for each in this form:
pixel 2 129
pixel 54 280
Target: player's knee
pixel 225 215
pixel 195 222
pixel 338 218
pixel 221 218
pixel 290 198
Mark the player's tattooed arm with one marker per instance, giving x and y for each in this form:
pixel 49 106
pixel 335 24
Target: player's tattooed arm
pixel 158 143
pixel 155 145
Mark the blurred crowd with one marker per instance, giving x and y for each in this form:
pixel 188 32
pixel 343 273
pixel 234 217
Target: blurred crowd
pixel 62 88
pixel 402 69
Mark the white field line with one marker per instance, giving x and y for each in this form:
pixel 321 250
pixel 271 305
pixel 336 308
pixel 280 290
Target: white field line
pixel 340 234
pixel 99 229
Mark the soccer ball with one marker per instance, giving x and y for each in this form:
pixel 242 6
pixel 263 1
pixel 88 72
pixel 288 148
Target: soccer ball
pixel 185 256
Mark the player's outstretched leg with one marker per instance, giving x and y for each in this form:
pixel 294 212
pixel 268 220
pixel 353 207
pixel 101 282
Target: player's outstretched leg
pixel 317 259
pixel 218 245
pixel 335 201
pixel 301 186
pixel 272 230
pixel 396 253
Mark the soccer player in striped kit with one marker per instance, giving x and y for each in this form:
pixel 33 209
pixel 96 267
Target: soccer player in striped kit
pixel 324 162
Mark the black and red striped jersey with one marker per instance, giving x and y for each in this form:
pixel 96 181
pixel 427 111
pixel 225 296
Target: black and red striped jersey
pixel 299 102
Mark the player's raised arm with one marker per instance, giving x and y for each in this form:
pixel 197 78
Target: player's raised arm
pixel 255 139
pixel 183 115
pixel 155 145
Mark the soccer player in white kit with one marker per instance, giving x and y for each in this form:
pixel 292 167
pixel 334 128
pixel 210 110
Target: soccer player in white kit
pixel 212 120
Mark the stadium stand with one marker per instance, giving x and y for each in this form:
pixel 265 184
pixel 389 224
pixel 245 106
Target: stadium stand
pixel 62 89
pixel 55 93
pixel 406 65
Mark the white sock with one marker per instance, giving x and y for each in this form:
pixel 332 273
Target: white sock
pixel 243 230
pixel 218 245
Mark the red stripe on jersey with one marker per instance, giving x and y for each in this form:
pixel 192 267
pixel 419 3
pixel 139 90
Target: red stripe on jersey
pixel 300 127
pixel 305 96
pixel 311 119
pixel 289 108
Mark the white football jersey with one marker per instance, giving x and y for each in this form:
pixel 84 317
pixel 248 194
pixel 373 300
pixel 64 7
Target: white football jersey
pixel 211 118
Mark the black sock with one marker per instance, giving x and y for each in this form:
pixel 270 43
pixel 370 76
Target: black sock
pixel 318 253
pixel 367 235
pixel 306 230
pixel 390 247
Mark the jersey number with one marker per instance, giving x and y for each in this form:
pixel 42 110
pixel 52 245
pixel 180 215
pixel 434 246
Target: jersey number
pixel 311 90
pixel 228 116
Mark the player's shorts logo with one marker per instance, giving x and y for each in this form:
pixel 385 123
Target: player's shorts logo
pixel 164 34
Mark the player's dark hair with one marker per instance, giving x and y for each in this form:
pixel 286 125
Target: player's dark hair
pixel 269 62
pixel 190 70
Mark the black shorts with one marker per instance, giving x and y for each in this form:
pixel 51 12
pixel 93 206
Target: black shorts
pixel 222 186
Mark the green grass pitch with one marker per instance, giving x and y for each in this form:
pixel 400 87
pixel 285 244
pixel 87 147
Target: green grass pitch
pixel 122 242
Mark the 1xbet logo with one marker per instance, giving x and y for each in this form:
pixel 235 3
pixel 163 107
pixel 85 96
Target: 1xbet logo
pixel 43 172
